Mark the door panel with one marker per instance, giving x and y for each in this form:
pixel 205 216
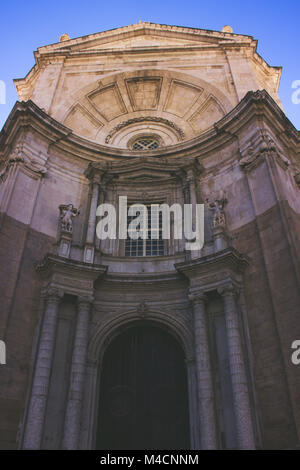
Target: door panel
pixel 143 392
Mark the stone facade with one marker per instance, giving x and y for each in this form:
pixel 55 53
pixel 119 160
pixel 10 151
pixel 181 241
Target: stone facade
pixel 211 102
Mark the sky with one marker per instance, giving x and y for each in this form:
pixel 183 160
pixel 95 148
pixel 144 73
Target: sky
pixel 27 25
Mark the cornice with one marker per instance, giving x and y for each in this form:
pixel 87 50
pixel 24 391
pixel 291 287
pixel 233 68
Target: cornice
pixel 53 263
pixel 148 28
pixel 159 281
pixel 164 168
pixel 227 259
pixel 254 105
pixel 60 55
pixel 80 47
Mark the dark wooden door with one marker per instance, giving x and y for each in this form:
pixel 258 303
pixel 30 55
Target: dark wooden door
pixel 143 393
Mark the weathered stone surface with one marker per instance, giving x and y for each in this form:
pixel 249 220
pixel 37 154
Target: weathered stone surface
pixel 67 143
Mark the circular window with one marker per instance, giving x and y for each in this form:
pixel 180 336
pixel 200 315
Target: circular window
pixel 146 143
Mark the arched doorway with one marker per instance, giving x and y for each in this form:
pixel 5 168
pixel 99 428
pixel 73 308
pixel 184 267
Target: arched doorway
pixel 143 392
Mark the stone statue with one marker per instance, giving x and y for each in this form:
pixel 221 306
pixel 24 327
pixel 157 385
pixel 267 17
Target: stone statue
pixel 67 212
pixel 218 207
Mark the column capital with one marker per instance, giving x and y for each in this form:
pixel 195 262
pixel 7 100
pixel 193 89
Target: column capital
pixel 85 300
pixel 197 296
pixel 228 289
pixel 52 293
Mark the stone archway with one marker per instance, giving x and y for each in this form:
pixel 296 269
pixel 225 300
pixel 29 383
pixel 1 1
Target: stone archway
pixel 143 398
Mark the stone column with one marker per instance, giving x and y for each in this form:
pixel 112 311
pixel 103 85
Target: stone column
pixel 91 228
pixel 241 400
pixel 41 379
pixel 204 375
pixel 191 184
pixel 193 405
pixel 192 194
pixel 77 375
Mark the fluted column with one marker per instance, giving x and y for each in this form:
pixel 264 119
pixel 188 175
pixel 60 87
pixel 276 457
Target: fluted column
pixel 77 375
pixel 91 228
pixel 239 382
pixel 41 379
pixel 204 374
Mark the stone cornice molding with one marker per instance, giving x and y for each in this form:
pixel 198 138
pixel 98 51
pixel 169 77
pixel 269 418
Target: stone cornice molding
pixel 29 115
pixel 229 256
pixel 183 171
pixel 51 262
pixel 257 148
pixel 71 277
pixel 213 271
pixel 157 281
pixel 198 39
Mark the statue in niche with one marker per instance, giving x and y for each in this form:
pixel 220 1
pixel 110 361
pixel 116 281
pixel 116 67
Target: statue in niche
pixel 67 212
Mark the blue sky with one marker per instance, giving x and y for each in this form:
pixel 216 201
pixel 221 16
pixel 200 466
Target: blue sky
pixel 29 24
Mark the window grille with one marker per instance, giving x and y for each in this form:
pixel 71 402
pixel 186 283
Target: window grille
pixel 145 143
pixel 150 246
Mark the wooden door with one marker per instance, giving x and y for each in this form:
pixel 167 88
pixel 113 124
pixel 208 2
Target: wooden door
pixel 143 392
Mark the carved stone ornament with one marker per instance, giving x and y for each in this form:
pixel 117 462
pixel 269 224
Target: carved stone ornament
pixel 229 289
pixel 19 156
pixel 52 293
pixel 197 296
pixel 67 212
pixel 258 146
pixel 218 206
pixel 143 119
pixel 142 309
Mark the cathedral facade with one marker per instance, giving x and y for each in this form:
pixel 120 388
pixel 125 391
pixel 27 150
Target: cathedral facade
pixel 143 344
